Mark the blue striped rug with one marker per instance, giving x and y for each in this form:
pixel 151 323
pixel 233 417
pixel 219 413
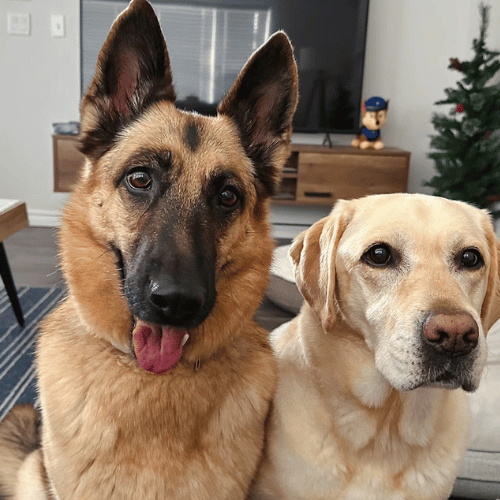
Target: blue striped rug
pixel 17 370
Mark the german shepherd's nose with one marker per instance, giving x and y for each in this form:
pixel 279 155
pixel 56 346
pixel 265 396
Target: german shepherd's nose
pixel 451 334
pixel 176 300
pixel 170 284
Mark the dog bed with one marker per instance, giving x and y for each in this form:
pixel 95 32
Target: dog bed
pixel 479 476
pixel 282 289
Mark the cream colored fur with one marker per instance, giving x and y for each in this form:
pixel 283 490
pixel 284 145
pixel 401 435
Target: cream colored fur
pixel 345 424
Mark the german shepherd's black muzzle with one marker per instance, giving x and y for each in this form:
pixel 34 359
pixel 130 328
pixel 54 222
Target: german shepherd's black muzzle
pixel 170 279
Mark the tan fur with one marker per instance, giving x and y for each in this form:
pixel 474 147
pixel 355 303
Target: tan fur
pixel 341 427
pixel 111 429
pixel 17 433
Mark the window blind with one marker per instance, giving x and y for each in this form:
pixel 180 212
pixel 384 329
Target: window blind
pixel 208 44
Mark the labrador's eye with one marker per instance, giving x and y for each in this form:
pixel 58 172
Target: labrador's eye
pixel 471 258
pixel 378 255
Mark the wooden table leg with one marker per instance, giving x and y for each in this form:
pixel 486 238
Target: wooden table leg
pixel 9 285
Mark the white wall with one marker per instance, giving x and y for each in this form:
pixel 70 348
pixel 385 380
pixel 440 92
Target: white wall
pixel 39 85
pixel 408 48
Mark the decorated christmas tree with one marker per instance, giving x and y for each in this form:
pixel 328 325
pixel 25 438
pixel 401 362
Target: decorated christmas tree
pixel 467 147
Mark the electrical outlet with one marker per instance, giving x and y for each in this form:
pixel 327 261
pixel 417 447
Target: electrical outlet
pixel 57 25
pixel 18 23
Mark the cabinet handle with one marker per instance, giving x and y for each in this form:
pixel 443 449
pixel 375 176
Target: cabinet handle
pixel 315 194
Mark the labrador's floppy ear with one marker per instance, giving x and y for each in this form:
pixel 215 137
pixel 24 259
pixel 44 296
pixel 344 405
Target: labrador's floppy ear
pixel 490 310
pixel 132 72
pixel 313 254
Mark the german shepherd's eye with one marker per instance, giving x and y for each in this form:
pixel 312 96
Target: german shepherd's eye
pixel 228 197
pixel 378 255
pixel 139 180
pixel 470 258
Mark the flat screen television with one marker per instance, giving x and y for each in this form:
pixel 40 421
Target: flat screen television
pixel 209 41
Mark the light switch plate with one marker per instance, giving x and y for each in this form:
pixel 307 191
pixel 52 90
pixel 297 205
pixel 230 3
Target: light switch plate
pixel 57 25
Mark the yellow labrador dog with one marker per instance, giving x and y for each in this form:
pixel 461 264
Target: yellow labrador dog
pixel 400 291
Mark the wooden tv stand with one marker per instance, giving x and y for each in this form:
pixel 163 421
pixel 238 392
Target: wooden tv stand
pixel 318 175
pixel 314 175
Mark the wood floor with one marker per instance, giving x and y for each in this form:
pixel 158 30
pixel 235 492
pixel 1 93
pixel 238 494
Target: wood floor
pixel 33 260
pixel 32 255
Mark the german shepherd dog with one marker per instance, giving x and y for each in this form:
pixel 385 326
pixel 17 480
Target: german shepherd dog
pixel 154 380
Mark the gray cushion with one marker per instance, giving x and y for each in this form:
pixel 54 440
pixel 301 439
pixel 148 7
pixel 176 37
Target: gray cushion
pixel 282 289
pixel 479 476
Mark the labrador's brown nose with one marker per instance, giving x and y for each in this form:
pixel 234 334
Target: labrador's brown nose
pixel 454 334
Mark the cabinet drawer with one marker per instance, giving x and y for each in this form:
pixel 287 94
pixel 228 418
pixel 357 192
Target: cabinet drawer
pixel 324 178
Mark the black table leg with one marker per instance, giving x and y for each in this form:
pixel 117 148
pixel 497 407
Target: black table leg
pixel 9 285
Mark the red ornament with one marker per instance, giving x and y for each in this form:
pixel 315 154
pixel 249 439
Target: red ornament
pixel 460 108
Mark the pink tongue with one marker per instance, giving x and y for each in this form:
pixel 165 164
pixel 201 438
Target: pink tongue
pixel 157 348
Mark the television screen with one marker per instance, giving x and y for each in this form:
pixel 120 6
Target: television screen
pixel 209 41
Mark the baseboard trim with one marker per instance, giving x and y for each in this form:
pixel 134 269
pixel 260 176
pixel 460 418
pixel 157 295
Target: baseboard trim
pixel 52 218
pixel 44 218
pixel 287 231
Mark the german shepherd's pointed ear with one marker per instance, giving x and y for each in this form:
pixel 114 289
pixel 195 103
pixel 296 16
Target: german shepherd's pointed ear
pixel 313 253
pixel 133 72
pixel 262 102
pixel 490 310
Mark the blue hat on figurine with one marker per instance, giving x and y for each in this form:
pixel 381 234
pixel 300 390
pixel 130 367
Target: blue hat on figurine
pixel 375 104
